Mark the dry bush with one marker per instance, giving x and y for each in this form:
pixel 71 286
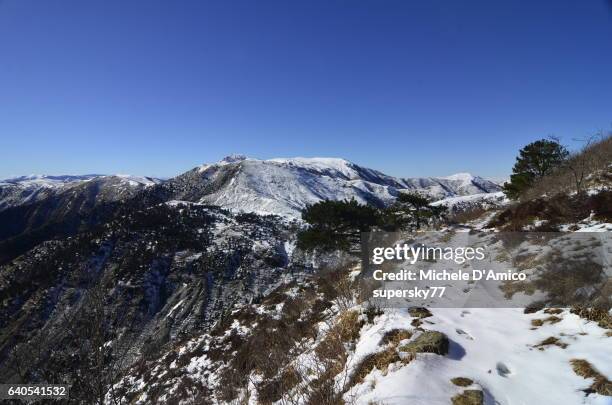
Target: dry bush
pixel 601 384
pixel 395 336
pixel 466 216
pixel 379 360
pixel 589 166
pixel 271 344
pixel 365 288
pixel 270 391
pixel 336 286
pixel 551 199
pixel 555 210
pixel 563 278
pixel 331 358
pixel 371 312
pixel 600 315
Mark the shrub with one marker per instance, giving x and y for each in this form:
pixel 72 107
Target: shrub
pixel 395 336
pixel 601 384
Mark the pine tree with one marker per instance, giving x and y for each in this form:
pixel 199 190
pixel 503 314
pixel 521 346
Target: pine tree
pixel 336 225
pixel 535 160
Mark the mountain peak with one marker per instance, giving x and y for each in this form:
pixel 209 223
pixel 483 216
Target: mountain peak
pixel 464 176
pixel 233 158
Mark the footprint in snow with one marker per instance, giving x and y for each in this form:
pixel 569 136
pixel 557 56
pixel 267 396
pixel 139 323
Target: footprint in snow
pixel 502 369
pixel 464 313
pixel 464 334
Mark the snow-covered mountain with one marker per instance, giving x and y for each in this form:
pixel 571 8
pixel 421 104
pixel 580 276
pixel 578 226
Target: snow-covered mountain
pixel 468 202
pixel 25 189
pixel 285 186
pixel 281 186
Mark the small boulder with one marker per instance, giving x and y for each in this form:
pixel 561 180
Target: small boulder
pixel 428 342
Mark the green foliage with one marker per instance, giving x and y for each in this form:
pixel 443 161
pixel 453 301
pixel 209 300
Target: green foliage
pixel 518 183
pixel 413 199
pixel 336 225
pixel 535 161
pixel 413 210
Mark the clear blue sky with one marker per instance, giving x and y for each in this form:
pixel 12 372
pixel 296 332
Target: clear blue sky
pixel 412 88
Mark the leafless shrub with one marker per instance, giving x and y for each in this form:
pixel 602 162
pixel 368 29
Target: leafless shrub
pixel 600 315
pixel 589 165
pixel 467 215
pixel 337 287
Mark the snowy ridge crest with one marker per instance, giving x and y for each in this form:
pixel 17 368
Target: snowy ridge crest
pixel 284 186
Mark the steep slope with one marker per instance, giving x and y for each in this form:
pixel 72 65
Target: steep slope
pixel 56 208
pixel 25 189
pixel 147 277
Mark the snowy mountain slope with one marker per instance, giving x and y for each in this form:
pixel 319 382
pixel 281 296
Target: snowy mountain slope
pixel 25 189
pixel 42 180
pixel 499 351
pixel 481 200
pixel 498 356
pixel 281 186
pixel 285 186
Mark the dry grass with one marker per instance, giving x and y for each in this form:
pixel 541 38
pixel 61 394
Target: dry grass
pixel 537 322
pixel 551 341
pixel 591 164
pixel 348 326
pixel 380 361
pixel 600 315
pixel 512 287
pixel 529 261
pixel 551 320
pixel 468 215
pixel 462 381
pixel 468 397
pixel 555 210
pixel 419 312
pixel 345 330
pixel 584 369
pixel 395 336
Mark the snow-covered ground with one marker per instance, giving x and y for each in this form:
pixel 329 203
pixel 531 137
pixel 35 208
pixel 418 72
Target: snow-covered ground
pixel 482 200
pixel 494 348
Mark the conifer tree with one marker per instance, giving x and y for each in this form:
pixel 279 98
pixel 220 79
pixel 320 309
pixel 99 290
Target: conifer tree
pixel 534 161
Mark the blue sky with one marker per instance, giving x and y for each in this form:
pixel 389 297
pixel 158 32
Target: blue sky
pixel 412 88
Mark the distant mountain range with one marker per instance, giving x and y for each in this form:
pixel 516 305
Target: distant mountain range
pixel 276 186
pixel 28 189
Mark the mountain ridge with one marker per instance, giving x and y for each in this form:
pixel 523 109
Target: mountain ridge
pixel 279 186
pixel 284 186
